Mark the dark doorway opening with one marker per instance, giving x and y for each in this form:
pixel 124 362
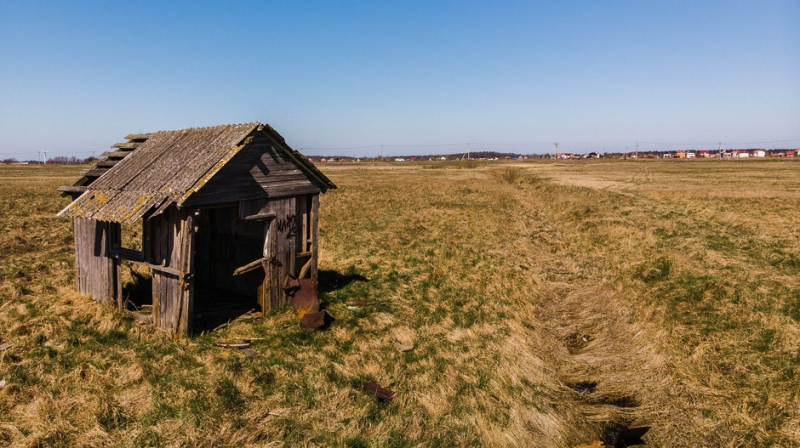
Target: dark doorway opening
pixel 223 243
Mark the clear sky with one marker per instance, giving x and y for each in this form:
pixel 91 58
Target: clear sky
pixel 77 76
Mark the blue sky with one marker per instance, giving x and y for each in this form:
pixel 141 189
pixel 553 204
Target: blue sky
pixel 76 77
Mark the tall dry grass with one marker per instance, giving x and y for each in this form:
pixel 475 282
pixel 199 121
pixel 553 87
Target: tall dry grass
pixel 545 302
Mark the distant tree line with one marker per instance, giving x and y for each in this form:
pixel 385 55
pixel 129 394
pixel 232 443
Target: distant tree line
pixel 58 160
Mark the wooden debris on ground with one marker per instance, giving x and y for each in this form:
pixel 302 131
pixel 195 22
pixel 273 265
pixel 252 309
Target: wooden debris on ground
pixel 252 353
pixel 379 392
pixel 356 304
pixel 250 315
pixel 243 347
pixel 403 347
pixel 239 345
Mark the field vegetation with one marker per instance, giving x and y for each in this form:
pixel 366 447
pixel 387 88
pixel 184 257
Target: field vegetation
pixel 546 302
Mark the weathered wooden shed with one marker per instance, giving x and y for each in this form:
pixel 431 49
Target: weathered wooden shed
pixel 208 201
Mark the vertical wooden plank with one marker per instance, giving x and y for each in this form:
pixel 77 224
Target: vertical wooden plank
pixel 118 284
pixel 287 243
pixel 264 288
pixel 272 268
pixel 186 284
pixel 77 232
pixel 156 299
pixel 302 208
pixel 314 240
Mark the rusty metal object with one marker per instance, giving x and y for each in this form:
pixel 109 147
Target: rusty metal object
pixel 290 284
pixel 379 392
pixel 305 299
pixel 316 321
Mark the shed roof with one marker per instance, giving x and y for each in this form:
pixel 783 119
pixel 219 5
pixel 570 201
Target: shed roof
pixel 168 167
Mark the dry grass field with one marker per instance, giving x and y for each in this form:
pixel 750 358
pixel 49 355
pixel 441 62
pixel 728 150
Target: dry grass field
pixel 546 303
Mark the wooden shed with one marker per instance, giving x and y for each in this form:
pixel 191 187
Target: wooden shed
pixel 203 202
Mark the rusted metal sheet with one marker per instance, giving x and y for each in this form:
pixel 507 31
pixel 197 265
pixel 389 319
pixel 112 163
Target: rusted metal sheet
pixel 379 392
pixel 317 321
pixel 305 299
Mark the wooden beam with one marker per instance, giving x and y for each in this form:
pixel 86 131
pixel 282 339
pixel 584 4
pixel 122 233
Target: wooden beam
pixel 258 217
pixel 126 145
pixel 115 154
pixel 107 163
pixel 252 266
pixel 72 188
pixel 127 254
pixel 141 137
pixel 95 172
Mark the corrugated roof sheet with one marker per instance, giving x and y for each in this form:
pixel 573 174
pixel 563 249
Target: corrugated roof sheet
pixel 163 169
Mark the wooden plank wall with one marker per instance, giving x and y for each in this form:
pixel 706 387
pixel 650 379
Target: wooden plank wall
pixel 95 270
pixel 284 240
pixel 171 246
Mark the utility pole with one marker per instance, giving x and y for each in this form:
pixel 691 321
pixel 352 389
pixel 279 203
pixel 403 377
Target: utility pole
pixel 720 150
pixel 637 150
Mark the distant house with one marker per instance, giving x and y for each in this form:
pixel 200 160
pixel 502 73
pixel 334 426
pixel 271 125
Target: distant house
pixel 680 154
pixel 741 154
pixel 690 155
pixel 399 160
pixel 790 153
pixel 759 153
pixel 704 153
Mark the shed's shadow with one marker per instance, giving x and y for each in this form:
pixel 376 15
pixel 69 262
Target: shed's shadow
pixel 330 281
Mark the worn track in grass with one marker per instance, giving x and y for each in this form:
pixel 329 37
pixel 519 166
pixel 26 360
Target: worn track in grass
pixel 544 301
